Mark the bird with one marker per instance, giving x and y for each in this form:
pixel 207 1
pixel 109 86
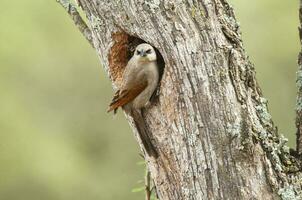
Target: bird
pixel 139 82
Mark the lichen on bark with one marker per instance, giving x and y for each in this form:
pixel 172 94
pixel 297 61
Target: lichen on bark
pixel 211 125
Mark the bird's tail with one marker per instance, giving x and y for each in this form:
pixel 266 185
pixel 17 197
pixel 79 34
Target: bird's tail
pixel 143 134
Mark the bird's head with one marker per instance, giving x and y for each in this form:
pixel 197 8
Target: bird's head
pixel 145 53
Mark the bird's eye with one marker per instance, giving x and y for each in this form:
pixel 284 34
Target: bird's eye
pixel 148 51
pixel 138 52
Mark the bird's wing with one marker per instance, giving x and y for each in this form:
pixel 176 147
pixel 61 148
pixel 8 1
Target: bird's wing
pixel 124 96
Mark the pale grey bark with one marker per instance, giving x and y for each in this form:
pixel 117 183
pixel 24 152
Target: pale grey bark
pixel 209 123
pixel 76 17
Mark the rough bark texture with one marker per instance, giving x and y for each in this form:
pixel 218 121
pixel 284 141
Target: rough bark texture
pixel 299 96
pixel 209 121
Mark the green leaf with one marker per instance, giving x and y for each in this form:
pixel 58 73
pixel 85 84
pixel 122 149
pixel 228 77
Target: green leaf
pixel 141 163
pixel 140 189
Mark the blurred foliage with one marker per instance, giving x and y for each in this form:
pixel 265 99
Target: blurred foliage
pixel 58 142
pixel 270 36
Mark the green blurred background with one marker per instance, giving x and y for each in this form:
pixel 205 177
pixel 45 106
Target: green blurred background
pixel 58 142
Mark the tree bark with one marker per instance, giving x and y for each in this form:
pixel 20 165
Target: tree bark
pixel 209 121
pixel 299 96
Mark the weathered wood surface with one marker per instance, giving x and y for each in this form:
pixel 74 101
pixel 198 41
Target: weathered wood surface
pixel 209 123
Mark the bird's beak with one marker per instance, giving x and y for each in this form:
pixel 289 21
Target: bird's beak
pixel 142 53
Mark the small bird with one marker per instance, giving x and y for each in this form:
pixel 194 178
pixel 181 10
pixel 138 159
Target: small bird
pixel 139 81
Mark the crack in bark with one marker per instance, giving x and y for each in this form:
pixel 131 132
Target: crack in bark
pixel 206 66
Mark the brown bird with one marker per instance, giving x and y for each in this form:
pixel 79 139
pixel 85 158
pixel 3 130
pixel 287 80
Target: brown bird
pixel 139 81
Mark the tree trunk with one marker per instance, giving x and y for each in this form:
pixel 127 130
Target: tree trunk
pixel 208 122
